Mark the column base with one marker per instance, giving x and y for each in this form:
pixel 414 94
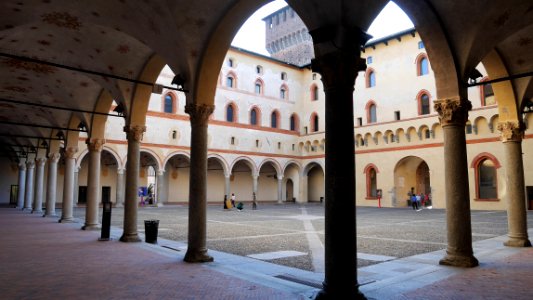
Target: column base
pixel 197 256
pixel 67 220
pixel 459 261
pixel 50 216
pixel 159 204
pixel 130 238
pixel 90 227
pixel 324 294
pixel 517 242
pixel 37 211
pixel 27 209
pixel 119 205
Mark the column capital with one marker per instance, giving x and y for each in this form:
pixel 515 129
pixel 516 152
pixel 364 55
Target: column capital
pixel 280 177
pixel 95 145
pixel 453 111
pixel 54 157
pixel 160 172
pixel 338 69
pixel 70 152
pixel 510 131
pixel 22 166
pixel 199 113
pixel 30 164
pixel 120 171
pixel 134 132
pixel 40 161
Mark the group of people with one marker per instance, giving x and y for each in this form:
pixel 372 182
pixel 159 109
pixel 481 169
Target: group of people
pixel 418 201
pixel 229 204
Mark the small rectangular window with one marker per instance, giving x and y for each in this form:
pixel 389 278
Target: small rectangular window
pixel 233 140
pixel 257 143
pixel 305 129
pixel 359 121
pixel 293 147
pixel 279 145
pixel 468 129
pixel 397 115
pixel 314 76
pixel 421 45
pixel 369 60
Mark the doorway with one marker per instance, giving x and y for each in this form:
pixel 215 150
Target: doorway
pixel 289 191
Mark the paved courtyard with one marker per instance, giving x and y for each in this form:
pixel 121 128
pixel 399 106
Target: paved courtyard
pixel 293 234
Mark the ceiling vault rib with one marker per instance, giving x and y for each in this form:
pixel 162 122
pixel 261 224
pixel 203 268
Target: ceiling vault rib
pixel 38 61
pixel 42 126
pixel 57 107
pixel 30 137
pixel 511 77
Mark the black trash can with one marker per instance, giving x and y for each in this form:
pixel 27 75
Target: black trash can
pixel 150 230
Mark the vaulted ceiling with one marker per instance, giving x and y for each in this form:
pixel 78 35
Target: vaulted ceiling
pixel 83 41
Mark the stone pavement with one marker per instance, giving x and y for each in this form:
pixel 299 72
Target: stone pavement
pixel 42 259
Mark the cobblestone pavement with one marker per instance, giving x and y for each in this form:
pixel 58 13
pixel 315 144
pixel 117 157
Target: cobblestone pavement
pixel 383 234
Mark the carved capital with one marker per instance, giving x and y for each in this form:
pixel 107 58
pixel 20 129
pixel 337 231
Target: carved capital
pixel 510 131
pixel 199 113
pixel 95 145
pixel 54 157
pixel 338 69
pixel 40 161
pixel 134 133
pixel 30 164
pixel 160 172
pixel 70 152
pixel 453 111
pixel 22 166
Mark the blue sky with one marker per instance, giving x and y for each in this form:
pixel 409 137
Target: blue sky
pixel 251 36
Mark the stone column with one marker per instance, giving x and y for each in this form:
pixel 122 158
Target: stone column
pixel 119 201
pixel 227 185
pixel 76 186
pixel 280 189
pixel 68 186
pixel 39 182
pixel 302 192
pixel 53 159
pixel 28 199
pixel 22 185
pixel 453 114
pixel 338 67
pixel 197 250
pixel 515 196
pixel 160 186
pixel 255 177
pixel 134 136
pixel 95 147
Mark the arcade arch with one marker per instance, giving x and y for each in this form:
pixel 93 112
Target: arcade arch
pixel 410 172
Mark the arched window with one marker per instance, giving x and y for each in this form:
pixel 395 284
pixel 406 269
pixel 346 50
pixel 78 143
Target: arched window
pixel 169 104
pixel 485 165
pixel 259 70
pixel 258 87
pixel 487 93
pixel 371 112
pixel 424 104
pixel 283 76
pixel 230 81
pixel 371 182
pixel 254 116
pixel 274 119
pixel 423 66
pixel 294 122
pixel 314 122
pixel 231 63
pixel 283 92
pixel 230 113
pixel 314 92
pixel 370 78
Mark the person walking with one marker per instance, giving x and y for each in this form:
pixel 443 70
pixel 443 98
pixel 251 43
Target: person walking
pixel 232 200
pixel 418 199
pixel 413 201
